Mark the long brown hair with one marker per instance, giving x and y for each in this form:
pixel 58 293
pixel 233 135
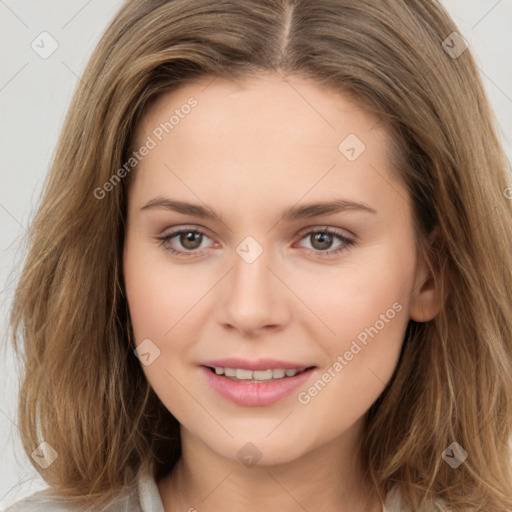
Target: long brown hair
pixel 83 390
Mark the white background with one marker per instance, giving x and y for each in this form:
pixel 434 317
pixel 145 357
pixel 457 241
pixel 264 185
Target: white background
pixel 34 96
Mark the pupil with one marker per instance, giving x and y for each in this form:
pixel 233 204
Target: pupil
pixel 325 240
pixel 189 240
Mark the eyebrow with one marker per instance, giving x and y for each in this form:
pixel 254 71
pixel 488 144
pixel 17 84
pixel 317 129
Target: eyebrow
pixel 292 213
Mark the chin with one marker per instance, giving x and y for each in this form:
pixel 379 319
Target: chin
pixel 258 449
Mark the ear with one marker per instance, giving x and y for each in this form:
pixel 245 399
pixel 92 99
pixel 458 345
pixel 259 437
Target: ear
pixel 426 300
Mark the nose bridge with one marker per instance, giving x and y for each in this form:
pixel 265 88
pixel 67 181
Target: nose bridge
pixel 255 297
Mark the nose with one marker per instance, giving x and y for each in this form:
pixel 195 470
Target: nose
pixel 254 298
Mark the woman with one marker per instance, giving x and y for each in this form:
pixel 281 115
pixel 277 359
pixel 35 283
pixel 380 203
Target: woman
pixel 271 268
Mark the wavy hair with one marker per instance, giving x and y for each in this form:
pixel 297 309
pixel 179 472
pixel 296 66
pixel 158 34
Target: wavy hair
pixel 83 391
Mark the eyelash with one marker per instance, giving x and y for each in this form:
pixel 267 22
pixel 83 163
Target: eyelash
pixel 347 242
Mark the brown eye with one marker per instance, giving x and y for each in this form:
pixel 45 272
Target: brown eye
pixel 184 242
pixel 190 240
pixel 321 241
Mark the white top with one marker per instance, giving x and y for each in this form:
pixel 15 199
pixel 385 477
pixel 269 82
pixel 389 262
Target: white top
pixel 143 498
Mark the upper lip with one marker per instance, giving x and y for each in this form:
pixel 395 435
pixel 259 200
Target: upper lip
pixel 259 364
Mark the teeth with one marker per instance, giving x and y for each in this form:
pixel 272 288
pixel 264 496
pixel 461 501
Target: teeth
pixel 262 374
pixel 259 375
pixel 242 374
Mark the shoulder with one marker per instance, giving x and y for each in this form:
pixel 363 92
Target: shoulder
pixel 140 494
pixel 41 501
pixel 48 501
pixel 395 502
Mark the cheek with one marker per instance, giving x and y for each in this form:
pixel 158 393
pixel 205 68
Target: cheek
pixel 354 377
pixel 372 288
pixel 364 308
pixel 160 301
pixel 373 304
pixel 160 294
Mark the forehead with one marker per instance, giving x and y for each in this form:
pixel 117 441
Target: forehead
pixel 262 103
pixel 263 133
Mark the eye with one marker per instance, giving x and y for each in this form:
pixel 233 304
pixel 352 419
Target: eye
pixel 190 239
pixel 322 239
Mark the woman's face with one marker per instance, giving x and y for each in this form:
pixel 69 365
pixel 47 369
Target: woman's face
pixel 253 173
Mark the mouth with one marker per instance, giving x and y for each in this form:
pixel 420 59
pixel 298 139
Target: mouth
pixel 257 376
pixel 257 387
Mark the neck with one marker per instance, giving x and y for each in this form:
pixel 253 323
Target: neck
pixel 328 476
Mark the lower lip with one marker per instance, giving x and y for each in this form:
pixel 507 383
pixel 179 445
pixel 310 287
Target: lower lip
pixel 255 394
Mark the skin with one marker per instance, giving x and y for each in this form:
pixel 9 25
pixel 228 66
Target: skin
pixel 249 150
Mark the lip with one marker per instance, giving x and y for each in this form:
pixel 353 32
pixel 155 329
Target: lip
pixel 255 394
pixel 260 364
